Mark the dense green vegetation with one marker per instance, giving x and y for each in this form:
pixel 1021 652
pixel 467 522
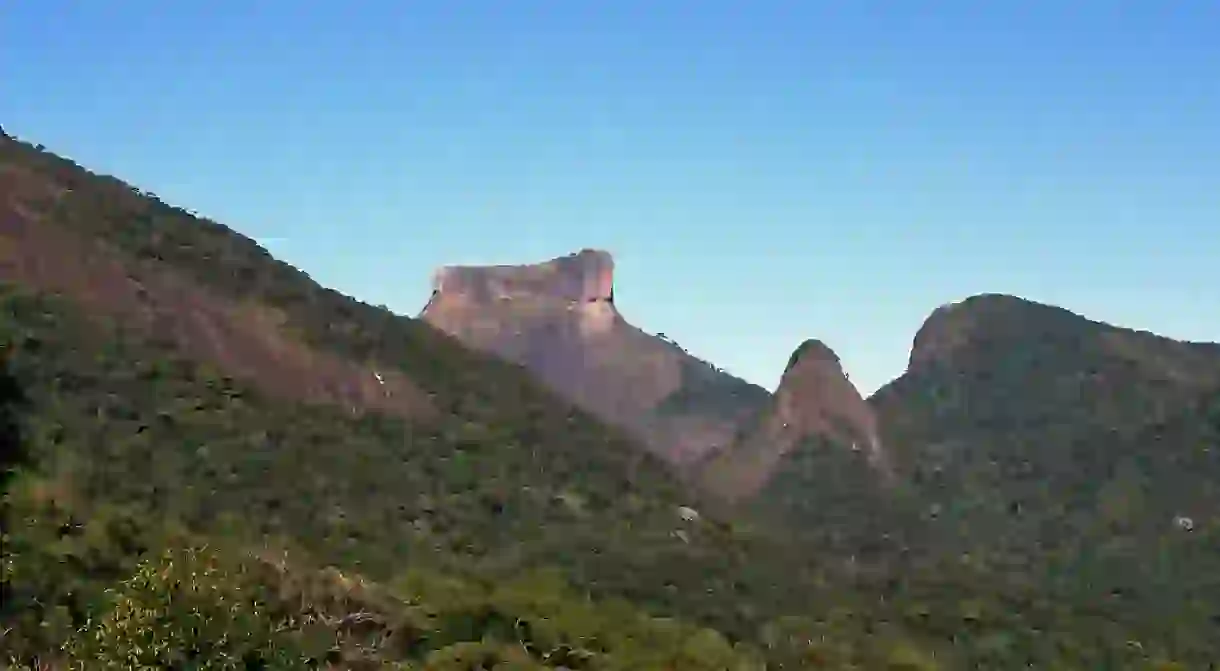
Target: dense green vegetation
pixel 851 512
pixel 1046 416
pixel 187 605
pixel 1072 451
pixel 130 448
pixel 130 423
pixel 163 514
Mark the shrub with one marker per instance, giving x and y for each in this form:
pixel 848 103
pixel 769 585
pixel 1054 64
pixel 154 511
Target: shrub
pixel 185 609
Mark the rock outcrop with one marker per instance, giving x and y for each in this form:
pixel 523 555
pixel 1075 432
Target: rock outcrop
pixel 558 318
pixel 815 396
pixel 580 287
pixel 586 276
pixel 814 400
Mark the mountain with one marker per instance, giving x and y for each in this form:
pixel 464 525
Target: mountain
pixel 177 380
pixel 183 400
pixel 1055 446
pixel 811 466
pixel 207 453
pixel 1001 374
pixel 814 402
pixel 1020 437
pixel 559 320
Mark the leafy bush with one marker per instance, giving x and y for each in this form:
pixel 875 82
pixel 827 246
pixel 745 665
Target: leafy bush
pixel 186 609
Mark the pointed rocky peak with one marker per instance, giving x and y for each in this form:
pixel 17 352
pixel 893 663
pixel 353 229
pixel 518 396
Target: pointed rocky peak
pixel 815 396
pixel 813 352
pixel 815 402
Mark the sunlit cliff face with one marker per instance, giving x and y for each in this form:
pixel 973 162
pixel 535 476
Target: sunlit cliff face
pixel 580 284
pixel 815 396
pixel 558 319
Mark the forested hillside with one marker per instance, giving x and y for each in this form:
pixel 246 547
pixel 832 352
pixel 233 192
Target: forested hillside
pixel 184 488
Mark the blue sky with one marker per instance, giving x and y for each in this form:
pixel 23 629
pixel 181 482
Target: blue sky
pixel 763 171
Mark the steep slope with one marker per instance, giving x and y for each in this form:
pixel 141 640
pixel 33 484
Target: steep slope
pixel 1042 442
pixel 812 465
pixel 167 365
pixel 1141 516
pixel 559 319
pixel 999 372
pixel 815 403
pixel 238 334
pixel 1009 405
pixel 162 370
pixel 177 368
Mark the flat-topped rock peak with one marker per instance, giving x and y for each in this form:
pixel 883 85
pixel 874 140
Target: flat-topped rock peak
pixel 582 277
pixel 572 293
pixel 558 319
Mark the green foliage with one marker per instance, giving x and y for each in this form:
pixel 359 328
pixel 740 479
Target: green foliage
pixel 127 430
pixel 193 607
pixel 538 621
pixel 851 513
pixel 143 427
pixel 430 529
pixel 1056 452
pixel 186 609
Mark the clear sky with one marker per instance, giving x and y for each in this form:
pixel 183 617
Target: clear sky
pixel 763 171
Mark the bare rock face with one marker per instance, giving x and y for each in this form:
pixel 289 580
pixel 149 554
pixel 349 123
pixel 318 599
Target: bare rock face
pixel 585 276
pixel 815 398
pixel 558 318
pixel 581 284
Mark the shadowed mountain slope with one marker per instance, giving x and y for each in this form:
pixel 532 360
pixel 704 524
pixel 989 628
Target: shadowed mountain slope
pixel 1081 452
pixel 1024 378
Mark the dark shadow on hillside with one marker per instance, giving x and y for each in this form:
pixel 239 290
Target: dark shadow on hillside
pixel 13 453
